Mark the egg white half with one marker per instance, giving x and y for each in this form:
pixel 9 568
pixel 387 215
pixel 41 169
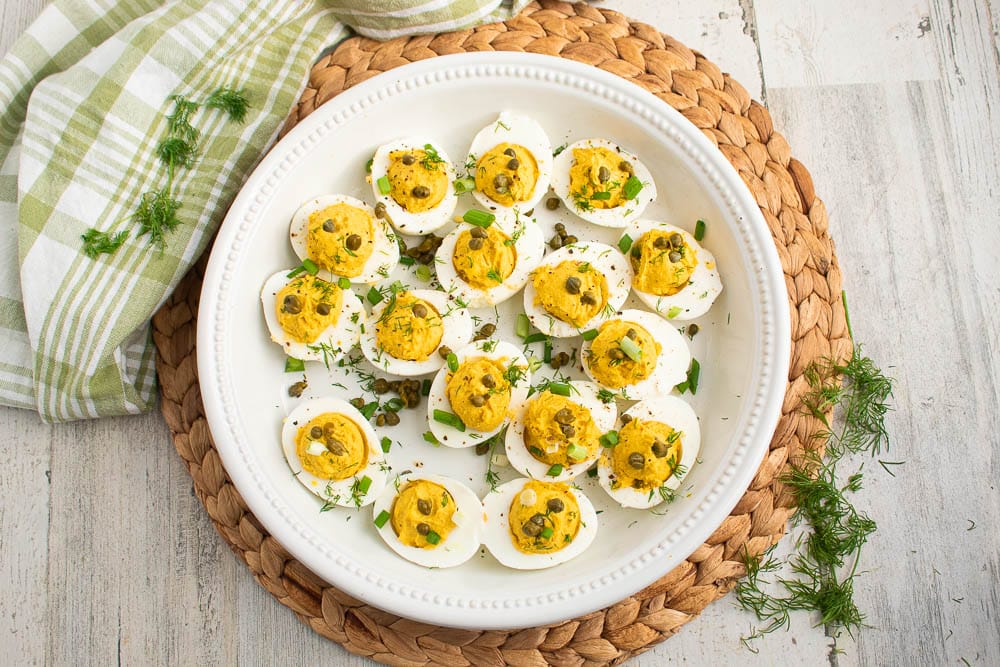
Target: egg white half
pixel 514 128
pixel 463 541
pixel 498 540
pixel 671 364
pixel 335 341
pixel 603 259
pixel 528 242
pixel 404 221
pixel 450 436
pixel 678 415
pixel 610 217
pixel 385 251
pixel 458 330
pixel 582 393
pixel 337 492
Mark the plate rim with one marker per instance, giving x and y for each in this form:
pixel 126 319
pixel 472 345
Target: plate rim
pixel 772 340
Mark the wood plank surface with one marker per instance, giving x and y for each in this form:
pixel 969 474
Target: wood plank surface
pixel 106 556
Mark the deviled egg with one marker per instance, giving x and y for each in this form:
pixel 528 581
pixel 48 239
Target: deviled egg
pixel 486 265
pixel 556 434
pixel 602 183
pixel 532 524
pixel 408 329
pixel 311 318
pixel 655 448
pixel 576 288
pixel 471 396
pixel 412 183
pixel 430 520
pixel 672 273
pixel 332 450
pixel 638 355
pixel 511 162
pixel 344 238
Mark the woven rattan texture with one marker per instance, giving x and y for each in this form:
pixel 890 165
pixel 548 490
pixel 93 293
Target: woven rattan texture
pixel 783 188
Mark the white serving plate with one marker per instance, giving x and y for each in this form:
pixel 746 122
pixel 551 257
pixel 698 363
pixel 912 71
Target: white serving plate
pixel 743 345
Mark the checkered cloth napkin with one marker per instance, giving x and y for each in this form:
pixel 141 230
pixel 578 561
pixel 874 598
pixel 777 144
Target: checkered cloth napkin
pixel 85 96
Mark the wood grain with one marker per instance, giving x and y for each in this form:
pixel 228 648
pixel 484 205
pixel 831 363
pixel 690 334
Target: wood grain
pixel 116 561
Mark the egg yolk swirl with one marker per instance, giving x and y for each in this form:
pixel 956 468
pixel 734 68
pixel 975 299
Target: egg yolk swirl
pixel 479 393
pixel 609 363
pixel 663 263
pixel 409 328
pixel 418 180
pixel 648 453
pixel 306 306
pixel 570 291
pixel 340 239
pixel 345 450
pixel 507 173
pixel 597 178
pixel 423 508
pixel 484 258
pixel 552 423
pixel 544 517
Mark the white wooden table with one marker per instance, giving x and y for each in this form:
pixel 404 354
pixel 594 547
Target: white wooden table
pixel 106 556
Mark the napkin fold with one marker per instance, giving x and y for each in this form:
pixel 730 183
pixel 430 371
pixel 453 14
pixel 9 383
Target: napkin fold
pixel 84 99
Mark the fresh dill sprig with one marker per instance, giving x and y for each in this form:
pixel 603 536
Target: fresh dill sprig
pixel 96 243
pixel 233 102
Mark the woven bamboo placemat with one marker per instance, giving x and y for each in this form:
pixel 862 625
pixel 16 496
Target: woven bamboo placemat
pixel 783 188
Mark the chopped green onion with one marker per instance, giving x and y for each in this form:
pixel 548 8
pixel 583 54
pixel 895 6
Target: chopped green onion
pixel 343 283
pixel 522 326
pixel 424 272
pixel 383 185
pixel 576 452
pixel 433 538
pixel 381 519
pixel 368 410
pixel 397 287
pixel 293 365
pixel 393 405
pixel 592 472
pixel 537 451
pixel 630 348
pixel 625 243
pixel 555 470
pixel 609 439
pixel 674 312
pixel 425 388
pixel 547 352
pixel 368 165
pixel 560 388
pixel 601 196
pixel 479 218
pixel 699 230
pixel 386 445
pixel 310 266
pixel 449 419
pixel 632 187
pixel 693 374
pixel 365 484
pixel 374 296
pixel 535 338
pixel 429 437
pixel 452 361
pixel 463 185
pixel 590 334
pixel 406 260
pixel 296 271
pixel 546 533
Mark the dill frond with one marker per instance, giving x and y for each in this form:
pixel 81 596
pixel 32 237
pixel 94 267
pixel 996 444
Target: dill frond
pixel 233 102
pixel 157 215
pixel 97 242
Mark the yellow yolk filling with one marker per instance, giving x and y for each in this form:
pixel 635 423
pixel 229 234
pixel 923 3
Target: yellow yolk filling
pixel 648 453
pixel 306 306
pixel 507 173
pixel 484 258
pixel 597 178
pixel 409 328
pixel 340 239
pixel 547 524
pixel 418 180
pixel 661 267
pixel 570 291
pixel 479 393
pixel 421 508
pixel 608 362
pixel 345 450
pixel 552 423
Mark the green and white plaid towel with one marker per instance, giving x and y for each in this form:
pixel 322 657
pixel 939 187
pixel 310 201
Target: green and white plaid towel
pixel 83 105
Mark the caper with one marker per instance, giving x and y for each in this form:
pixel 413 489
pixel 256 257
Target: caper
pixel 676 240
pixel 477 400
pixel 509 152
pixel 395 385
pixel 444 351
pixel 637 460
pixel 559 360
pixel 323 308
pixel 674 256
pixel 626 167
pixel 564 416
pixel 408 159
pixel 636 251
pixel 588 299
pixel 391 418
pixel 570 239
pixel 531 529
pixel 488 381
pixel 328 226
pixel 568 430
pixel 487 329
pixel 478 233
pixel 660 449
pixel 353 242
pixel 421 192
pixel 603 174
pixel 295 391
pixel 316 432
pixel 358 402
pixel 661 242
pixel 555 243
pixel 380 210
pixel 380 420
pixel 475 244
pixel 555 505
pixel 636 483
pixel 626 419
pixel 692 330
pixel 552 203
pixel 513 164
pixel 380 386
pixel 482 448
pixel 501 181
pixel 423 528
pixel 560 227
pixel 291 304
pixel 631 333
pixel 419 310
pixel 538 519
pixel 336 447
pixel 573 285
pixel 424 506
pixel 616 353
